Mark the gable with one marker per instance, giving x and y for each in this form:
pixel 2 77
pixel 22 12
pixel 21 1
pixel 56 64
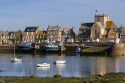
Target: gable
pixel 98 25
pixel 110 24
pixel 31 29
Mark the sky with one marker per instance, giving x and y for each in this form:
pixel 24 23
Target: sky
pixel 17 14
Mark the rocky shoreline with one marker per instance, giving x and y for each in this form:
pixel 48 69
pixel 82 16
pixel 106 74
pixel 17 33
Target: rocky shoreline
pixel 107 78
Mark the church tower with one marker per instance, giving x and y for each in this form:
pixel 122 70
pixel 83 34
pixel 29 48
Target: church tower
pixel 102 18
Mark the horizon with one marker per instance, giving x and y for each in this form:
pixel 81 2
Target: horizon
pixel 18 14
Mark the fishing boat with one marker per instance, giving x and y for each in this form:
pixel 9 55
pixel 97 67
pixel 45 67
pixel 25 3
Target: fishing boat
pixel 51 47
pixel 43 65
pixel 14 59
pixel 26 46
pixel 60 62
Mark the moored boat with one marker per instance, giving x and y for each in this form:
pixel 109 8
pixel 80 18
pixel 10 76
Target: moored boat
pixel 43 65
pixel 16 60
pixel 60 62
pixel 26 46
pixel 51 47
pixel 78 50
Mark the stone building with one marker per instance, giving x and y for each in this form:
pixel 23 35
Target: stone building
pixel 41 36
pixel 4 38
pixel 97 31
pixel 102 28
pixel 85 31
pixel 111 30
pixel 102 18
pixel 121 31
pixel 68 34
pixel 54 33
pixel 29 34
pixel 18 35
pixel 65 34
pixel 109 25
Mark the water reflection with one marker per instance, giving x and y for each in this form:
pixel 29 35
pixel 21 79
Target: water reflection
pixel 98 66
pixel 43 68
pixel 43 71
pixel 60 68
pixel 75 66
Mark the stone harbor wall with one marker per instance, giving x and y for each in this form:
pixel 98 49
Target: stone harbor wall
pixel 118 49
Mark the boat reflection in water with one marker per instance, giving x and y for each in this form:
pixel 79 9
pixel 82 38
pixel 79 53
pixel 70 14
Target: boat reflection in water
pixel 43 71
pixel 60 68
pixel 75 66
pixel 43 68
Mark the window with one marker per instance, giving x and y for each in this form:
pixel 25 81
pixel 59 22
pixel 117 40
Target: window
pixel 26 33
pixel 32 37
pixel 95 31
pixel 37 36
pixel 123 32
pixel 31 33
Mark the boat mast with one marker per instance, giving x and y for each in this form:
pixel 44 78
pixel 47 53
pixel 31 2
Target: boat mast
pixel 14 44
pixel 14 48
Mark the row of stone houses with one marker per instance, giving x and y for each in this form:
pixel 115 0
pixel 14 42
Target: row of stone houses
pixel 52 34
pixel 7 37
pixel 36 34
pixel 101 28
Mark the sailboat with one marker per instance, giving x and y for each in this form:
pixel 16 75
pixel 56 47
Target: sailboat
pixel 43 64
pixel 14 59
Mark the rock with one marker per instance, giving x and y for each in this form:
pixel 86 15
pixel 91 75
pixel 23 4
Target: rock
pixel 57 76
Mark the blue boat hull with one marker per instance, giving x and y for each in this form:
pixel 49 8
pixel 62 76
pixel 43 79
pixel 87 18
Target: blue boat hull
pixel 26 48
pixel 55 48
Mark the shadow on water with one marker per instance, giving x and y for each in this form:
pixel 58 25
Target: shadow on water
pixel 88 54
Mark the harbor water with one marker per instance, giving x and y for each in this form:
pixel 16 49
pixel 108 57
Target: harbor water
pixel 75 66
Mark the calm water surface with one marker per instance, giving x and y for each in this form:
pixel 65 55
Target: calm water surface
pixel 76 66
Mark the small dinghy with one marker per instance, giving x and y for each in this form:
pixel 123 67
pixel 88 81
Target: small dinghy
pixel 60 62
pixel 16 60
pixel 43 65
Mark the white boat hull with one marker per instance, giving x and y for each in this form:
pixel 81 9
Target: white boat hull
pixel 60 62
pixel 43 65
pixel 16 60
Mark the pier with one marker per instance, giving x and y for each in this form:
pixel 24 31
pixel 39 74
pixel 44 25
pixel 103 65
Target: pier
pixel 90 48
pixel 107 48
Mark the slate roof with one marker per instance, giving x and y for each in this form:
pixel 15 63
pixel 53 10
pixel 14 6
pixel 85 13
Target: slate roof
pixel 11 33
pixel 87 24
pixel 30 29
pixel 101 15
